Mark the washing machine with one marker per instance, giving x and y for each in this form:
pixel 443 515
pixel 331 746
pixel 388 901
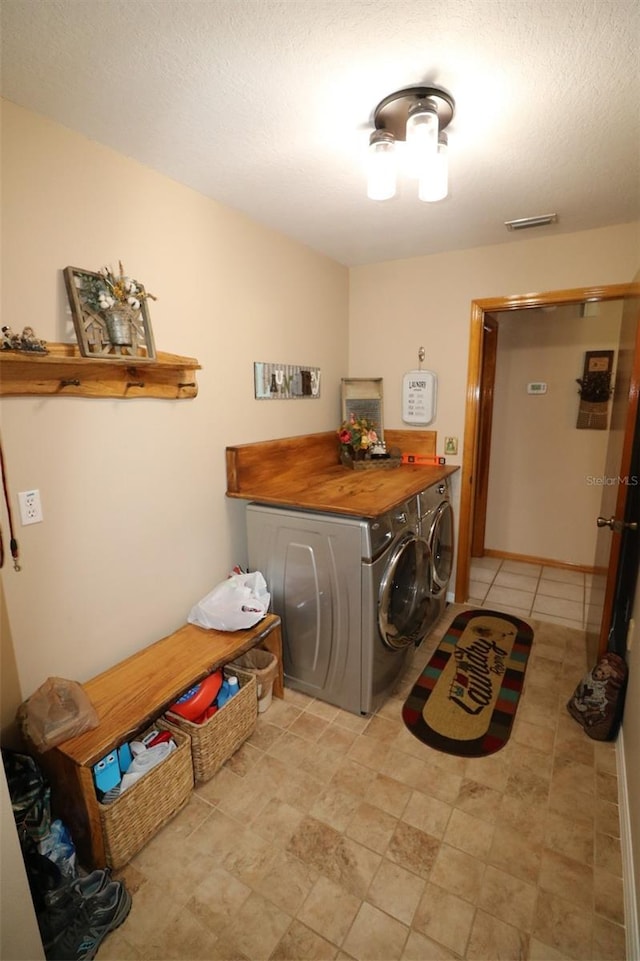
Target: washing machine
pixel 435 526
pixel 354 596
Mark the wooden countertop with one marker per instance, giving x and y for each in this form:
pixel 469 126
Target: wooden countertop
pixel 303 472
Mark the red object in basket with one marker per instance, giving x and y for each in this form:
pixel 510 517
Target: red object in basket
pixel 195 701
pixel 210 711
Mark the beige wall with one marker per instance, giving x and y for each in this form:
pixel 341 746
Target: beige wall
pixel 136 523
pixel 543 491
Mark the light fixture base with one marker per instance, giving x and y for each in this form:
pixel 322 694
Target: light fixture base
pixel 392 112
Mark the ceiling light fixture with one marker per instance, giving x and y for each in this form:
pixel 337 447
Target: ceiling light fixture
pixel 526 222
pixel 417 117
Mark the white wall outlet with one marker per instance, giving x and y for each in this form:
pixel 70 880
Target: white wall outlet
pixel 30 507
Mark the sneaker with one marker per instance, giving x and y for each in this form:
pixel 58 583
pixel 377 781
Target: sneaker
pixel 86 886
pixel 95 918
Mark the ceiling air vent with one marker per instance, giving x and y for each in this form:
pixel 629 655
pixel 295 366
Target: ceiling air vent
pixel 527 222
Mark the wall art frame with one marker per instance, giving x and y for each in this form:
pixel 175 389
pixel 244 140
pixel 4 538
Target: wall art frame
pixel 91 326
pixel 285 381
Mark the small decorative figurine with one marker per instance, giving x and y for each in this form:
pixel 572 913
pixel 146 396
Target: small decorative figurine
pixel 27 341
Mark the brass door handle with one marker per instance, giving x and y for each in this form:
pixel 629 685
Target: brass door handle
pixel 617 526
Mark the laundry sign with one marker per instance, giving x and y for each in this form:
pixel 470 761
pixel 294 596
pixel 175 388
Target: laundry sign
pixel 419 396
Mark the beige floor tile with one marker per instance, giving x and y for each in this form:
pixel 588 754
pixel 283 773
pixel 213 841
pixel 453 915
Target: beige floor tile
pixel 353 866
pixel 335 808
pixel 396 891
pixel 276 821
pixel 565 589
pixel 353 778
pixel 428 814
pixel 308 726
pixel 375 935
pixel 372 827
pixel 571 836
pixel 444 918
pixel 514 854
pixel 608 854
pixel 609 896
pixel 509 597
pixel 300 942
pixel 608 818
pixel 567 878
pixel 217 898
pixel 337 738
pixel 478 800
pixel 286 881
pixel 388 794
pixel 563 926
pixel 420 948
pixel 457 872
pixel 508 898
pixel 563 575
pixel 368 752
pixel 469 833
pixel 492 938
pixel 517 580
pixel 329 910
pixel 257 928
pixel 413 849
pixel 185 937
pixel 609 942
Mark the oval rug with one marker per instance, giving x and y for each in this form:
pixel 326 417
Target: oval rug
pixel 465 700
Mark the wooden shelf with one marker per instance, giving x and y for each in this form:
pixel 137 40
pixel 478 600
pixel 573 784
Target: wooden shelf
pixel 64 372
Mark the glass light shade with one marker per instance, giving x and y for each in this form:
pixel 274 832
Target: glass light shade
pixel 422 136
pixel 381 166
pixel 434 183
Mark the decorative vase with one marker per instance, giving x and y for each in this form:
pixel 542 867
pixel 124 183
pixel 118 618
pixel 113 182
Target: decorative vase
pixel 119 327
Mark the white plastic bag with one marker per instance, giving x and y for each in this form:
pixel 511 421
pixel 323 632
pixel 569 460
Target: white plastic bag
pixel 233 605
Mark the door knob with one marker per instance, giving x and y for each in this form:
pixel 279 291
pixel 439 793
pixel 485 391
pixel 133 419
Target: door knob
pixel 615 525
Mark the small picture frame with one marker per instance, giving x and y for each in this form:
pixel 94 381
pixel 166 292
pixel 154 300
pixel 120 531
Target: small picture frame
pixel 93 329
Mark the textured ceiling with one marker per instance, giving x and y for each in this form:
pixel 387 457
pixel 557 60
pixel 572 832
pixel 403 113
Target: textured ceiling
pixel 266 106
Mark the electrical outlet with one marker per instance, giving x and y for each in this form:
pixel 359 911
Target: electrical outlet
pixel 30 507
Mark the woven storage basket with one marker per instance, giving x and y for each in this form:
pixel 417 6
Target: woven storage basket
pixel 139 813
pixel 213 742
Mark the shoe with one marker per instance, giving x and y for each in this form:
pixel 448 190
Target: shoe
pixel 95 917
pixel 92 883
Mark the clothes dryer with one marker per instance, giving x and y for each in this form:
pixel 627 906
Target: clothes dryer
pixel 436 527
pixel 353 595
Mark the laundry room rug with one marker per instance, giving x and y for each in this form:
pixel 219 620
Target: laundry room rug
pixel 466 698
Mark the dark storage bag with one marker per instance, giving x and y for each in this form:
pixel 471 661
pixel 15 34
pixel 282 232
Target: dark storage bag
pixel 597 702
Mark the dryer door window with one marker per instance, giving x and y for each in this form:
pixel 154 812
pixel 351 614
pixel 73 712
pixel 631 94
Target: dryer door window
pixel 405 599
pixel 441 543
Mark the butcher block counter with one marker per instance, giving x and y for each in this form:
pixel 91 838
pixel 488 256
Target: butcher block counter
pixel 304 472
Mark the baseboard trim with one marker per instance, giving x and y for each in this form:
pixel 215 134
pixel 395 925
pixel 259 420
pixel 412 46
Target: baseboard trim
pixel 544 561
pixel 628 876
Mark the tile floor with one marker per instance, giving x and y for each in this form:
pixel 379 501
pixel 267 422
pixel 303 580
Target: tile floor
pixel 546 593
pixel 328 835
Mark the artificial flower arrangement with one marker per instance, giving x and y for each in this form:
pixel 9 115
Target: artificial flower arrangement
pixel 357 433
pixel 107 290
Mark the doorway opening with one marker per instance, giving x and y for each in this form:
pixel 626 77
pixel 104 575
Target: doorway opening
pixel 477 439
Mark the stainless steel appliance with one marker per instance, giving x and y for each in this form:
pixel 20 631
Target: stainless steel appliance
pixel 354 595
pixel 436 527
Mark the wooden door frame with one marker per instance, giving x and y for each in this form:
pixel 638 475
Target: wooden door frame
pixel 468 482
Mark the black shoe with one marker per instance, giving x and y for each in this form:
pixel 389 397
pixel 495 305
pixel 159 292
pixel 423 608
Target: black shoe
pixel 95 917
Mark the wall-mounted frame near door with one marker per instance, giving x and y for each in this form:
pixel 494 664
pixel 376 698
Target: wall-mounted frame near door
pixel 477 436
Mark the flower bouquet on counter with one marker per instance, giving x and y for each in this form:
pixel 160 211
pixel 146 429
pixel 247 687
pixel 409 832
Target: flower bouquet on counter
pixel 361 447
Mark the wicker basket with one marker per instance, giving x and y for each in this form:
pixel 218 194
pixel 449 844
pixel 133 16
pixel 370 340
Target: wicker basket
pixel 213 742
pixel 139 813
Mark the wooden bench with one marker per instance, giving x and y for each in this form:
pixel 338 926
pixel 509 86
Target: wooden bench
pixel 129 697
